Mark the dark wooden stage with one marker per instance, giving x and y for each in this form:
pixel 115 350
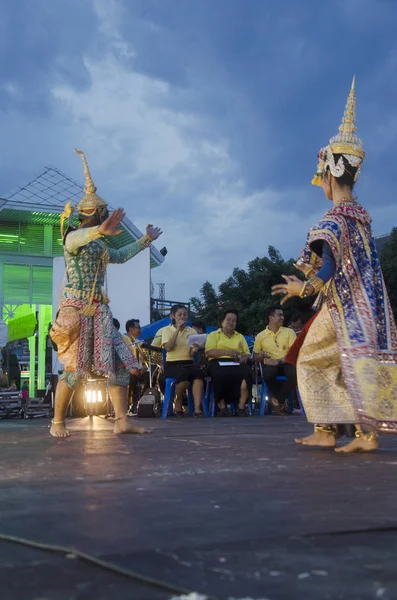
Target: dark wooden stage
pixel 230 508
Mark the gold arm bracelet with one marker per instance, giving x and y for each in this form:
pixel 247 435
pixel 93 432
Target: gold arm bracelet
pixel 145 241
pixel 316 284
pixel 303 293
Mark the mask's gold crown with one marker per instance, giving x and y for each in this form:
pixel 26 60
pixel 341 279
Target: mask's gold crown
pixel 346 142
pixel 91 201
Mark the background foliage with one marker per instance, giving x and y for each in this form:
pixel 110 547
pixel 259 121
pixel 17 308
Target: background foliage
pixel 249 290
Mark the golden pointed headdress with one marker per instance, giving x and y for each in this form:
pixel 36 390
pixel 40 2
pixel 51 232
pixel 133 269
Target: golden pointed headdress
pixel 346 142
pixel 91 201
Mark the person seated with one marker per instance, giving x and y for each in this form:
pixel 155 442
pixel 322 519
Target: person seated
pixel 270 348
pixel 13 386
pixel 297 322
pixel 179 362
pixel 156 342
pixel 199 326
pixel 198 351
pixel 139 375
pixel 232 383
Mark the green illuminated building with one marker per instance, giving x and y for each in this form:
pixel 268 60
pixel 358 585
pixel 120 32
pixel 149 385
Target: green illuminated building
pixel 29 240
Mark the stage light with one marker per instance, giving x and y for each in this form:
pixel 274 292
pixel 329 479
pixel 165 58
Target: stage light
pixel 93 395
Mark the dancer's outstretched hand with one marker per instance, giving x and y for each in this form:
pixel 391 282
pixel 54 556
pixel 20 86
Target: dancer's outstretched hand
pixel 110 225
pixel 304 268
pixel 153 232
pixel 291 288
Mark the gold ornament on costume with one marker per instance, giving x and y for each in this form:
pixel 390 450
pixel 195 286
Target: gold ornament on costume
pixel 67 214
pixel 346 143
pixel 91 201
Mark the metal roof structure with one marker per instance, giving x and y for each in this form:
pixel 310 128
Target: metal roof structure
pixel 42 200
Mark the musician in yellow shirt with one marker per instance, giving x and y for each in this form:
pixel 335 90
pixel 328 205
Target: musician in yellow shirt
pixel 179 362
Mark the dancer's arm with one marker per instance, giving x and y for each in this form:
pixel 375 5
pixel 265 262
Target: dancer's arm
pixel 129 251
pixel 328 267
pixel 85 235
pixel 296 287
pixel 324 274
pixel 124 254
pixel 81 237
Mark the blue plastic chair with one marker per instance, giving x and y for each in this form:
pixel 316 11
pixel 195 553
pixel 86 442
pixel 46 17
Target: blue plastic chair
pixel 300 402
pixel 212 407
pixel 168 399
pixel 169 395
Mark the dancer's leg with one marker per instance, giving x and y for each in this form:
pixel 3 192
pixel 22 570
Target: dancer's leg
pixel 118 395
pixel 362 442
pixel 324 435
pixel 63 397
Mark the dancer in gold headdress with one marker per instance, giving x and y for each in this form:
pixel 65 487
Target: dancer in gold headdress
pixel 88 343
pixel 347 363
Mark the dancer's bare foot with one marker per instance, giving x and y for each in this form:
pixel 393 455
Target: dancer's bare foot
pixel 58 430
pixel 326 440
pixel 124 425
pixel 361 443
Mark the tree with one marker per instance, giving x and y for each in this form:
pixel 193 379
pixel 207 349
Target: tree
pixel 249 291
pixel 388 260
pixel 206 306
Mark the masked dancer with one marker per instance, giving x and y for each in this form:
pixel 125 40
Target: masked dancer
pixel 88 343
pixel 346 366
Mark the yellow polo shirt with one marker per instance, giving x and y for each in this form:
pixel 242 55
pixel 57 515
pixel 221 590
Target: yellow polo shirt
pixel 276 345
pixel 157 340
pixel 181 350
pixel 217 340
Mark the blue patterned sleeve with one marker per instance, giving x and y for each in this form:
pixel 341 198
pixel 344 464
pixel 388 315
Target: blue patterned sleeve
pixel 327 270
pixel 327 231
pixel 129 251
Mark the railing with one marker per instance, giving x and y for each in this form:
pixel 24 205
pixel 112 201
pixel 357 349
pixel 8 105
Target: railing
pixel 162 308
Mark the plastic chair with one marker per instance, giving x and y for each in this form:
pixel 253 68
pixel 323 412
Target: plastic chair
pixel 169 395
pixel 168 399
pixel 300 402
pixel 212 407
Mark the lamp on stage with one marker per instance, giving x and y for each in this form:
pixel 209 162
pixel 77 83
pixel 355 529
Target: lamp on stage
pixel 94 394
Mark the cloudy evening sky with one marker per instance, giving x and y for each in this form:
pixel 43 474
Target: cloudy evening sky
pixel 201 116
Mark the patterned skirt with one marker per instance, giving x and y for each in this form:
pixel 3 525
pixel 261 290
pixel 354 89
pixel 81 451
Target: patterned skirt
pixel 320 381
pixel 89 346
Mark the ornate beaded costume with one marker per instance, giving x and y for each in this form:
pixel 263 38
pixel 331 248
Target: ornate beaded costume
pixel 88 343
pixel 347 363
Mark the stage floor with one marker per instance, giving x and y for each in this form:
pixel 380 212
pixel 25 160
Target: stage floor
pixel 230 508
